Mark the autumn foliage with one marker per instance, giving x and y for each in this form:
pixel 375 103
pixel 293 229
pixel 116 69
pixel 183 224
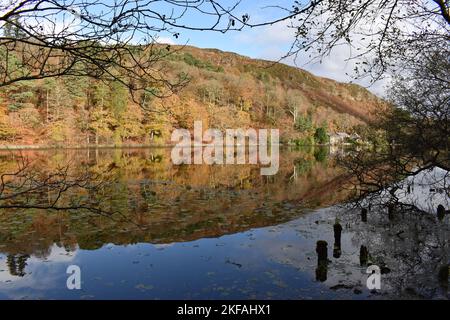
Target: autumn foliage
pixel 224 90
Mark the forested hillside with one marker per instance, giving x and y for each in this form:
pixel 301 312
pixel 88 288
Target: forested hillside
pixel 224 90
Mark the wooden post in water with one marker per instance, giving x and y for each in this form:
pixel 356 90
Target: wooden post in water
pixel 364 215
pixel 391 211
pixel 363 256
pixel 440 212
pixel 443 275
pixel 337 228
pixel 322 250
pixel 322 260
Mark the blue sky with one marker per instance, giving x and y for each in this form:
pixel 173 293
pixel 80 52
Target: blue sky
pixel 268 42
pixel 232 40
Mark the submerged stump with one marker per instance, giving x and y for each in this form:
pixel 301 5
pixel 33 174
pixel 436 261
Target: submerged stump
pixel 363 255
pixel 322 250
pixel 391 211
pixel 364 215
pixel 440 212
pixel 322 260
pixel 337 228
pixel 443 275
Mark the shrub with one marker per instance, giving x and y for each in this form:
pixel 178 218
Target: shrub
pixel 321 135
pixel 304 124
pixel 57 132
pixel 6 132
pixel 30 117
pixel 306 141
pixel 193 61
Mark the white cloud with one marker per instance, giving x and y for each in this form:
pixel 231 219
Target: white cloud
pixel 337 67
pixel 273 42
pixel 165 40
pixel 57 255
pixel 274 35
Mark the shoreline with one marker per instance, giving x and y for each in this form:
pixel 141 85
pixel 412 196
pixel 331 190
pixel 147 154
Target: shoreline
pixel 137 146
pixel 50 147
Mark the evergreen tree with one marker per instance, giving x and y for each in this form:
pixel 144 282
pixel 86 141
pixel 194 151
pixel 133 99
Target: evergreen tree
pixel 118 98
pixel 321 135
pixel 101 123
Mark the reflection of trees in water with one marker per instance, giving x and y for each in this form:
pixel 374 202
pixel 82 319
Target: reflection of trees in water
pixel 403 186
pixel 60 188
pixel 417 140
pixel 411 250
pixel 403 204
pixel 16 264
pixel 140 199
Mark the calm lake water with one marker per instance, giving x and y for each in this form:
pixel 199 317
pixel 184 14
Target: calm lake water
pixel 208 232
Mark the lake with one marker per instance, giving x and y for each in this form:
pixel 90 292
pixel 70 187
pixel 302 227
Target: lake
pixel 139 227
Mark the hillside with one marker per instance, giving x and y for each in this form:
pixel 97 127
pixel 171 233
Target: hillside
pixel 225 90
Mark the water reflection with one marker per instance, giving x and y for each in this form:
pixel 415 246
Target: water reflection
pixel 147 199
pixel 16 264
pixel 212 232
